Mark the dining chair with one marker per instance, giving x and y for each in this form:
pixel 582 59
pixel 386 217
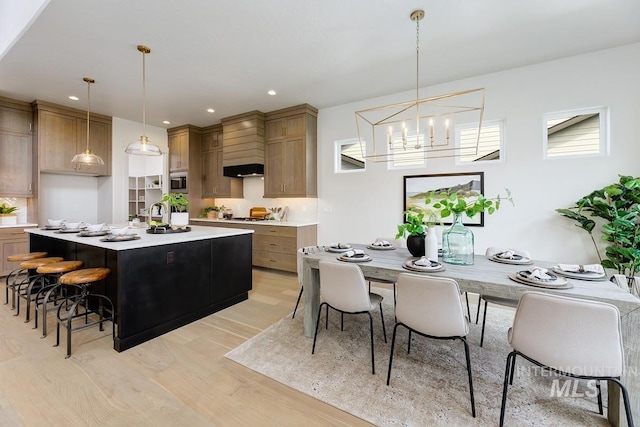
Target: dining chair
pixel 431 307
pixel 344 289
pixel 505 302
pixel 567 336
pixel 300 263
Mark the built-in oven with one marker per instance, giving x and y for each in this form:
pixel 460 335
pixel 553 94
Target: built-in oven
pixel 178 182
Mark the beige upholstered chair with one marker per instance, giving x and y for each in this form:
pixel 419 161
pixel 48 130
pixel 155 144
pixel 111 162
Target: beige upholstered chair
pixel 496 300
pixel 431 307
pixel 301 253
pixel 573 337
pixel 343 288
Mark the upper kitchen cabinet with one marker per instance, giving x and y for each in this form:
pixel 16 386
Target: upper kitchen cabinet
pixel 290 168
pixel 61 133
pixel 179 148
pixel 214 183
pixel 15 148
pixel 185 159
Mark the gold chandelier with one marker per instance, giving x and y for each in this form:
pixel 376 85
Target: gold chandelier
pixel 425 126
pixel 142 146
pixel 87 157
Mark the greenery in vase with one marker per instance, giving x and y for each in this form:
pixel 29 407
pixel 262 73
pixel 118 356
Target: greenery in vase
pixel 446 204
pixel 618 205
pixel 6 209
pixel 177 202
pixel 414 223
pixel 207 209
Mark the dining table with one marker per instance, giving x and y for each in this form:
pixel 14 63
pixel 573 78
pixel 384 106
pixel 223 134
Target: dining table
pixel 491 278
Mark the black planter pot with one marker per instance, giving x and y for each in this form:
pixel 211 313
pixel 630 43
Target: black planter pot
pixel 415 244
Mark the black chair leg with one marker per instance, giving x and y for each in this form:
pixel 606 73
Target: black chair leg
pixel 341 321
pixel 466 296
pixel 315 335
pixel 513 369
pixel 473 400
pixel 297 302
pixel 393 343
pixel 599 398
pixel 484 320
pixel 373 366
pixel 384 331
pixel 326 317
pixel 478 308
pixel 507 370
pixel 409 343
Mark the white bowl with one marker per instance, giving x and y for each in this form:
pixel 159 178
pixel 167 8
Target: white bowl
pixel 55 222
pixel 73 225
pixel 95 227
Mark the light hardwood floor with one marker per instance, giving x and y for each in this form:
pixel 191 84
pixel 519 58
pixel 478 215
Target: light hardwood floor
pixel 179 379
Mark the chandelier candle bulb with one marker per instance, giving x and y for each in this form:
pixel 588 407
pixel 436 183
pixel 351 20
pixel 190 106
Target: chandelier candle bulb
pixel 446 123
pixel 390 136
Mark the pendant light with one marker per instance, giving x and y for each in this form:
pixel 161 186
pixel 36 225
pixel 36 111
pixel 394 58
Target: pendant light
pixel 87 157
pixel 142 147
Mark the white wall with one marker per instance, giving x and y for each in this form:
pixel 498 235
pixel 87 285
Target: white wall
pixel 358 207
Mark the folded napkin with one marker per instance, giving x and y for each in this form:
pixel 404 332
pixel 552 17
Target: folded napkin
pixel 508 254
pixel 340 246
pixel 381 243
pixel 354 253
pixel 581 268
pixel 425 262
pixel 541 274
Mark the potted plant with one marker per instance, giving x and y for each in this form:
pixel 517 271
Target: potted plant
pixel 414 229
pixel 210 212
pixel 178 206
pixel 457 240
pixel 7 215
pixel 618 206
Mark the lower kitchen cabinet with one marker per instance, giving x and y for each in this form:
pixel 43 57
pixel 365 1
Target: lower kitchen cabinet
pixel 274 246
pixel 13 240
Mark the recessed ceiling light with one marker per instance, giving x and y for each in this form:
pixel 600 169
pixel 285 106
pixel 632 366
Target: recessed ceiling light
pixel 74 98
pixel 210 110
pixel 271 92
pixel 166 122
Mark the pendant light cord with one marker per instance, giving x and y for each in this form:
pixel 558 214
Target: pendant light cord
pixel 144 96
pixel 88 109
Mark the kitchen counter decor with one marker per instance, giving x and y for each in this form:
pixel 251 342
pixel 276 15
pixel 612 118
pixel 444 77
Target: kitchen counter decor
pixel 156 229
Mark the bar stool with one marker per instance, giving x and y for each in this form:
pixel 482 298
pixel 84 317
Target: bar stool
pixel 84 278
pixel 15 274
pixel 34 281
pixel 53 292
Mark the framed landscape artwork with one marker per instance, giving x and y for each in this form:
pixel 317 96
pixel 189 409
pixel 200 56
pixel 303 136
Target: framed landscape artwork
pixel 418 187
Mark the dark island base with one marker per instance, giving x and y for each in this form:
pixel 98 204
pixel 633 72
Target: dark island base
pixel 157 289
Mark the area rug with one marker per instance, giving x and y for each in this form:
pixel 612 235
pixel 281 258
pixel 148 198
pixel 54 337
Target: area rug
pixel 429 386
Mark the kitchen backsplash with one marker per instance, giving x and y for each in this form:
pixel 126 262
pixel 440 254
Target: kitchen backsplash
pixel 20 203
pixel 300 209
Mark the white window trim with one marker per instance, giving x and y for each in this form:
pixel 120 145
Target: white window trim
pixel 604 132
pixel 503 152
pixel 338 157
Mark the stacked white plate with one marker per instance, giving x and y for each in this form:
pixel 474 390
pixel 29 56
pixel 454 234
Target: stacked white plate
pixel 387 247
pixel 357 257
pixel 338 247
pixel 410 264
pixel 515 259
pixel 525 278
pixel 581 275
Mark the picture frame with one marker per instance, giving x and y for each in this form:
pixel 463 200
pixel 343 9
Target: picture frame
pixel 418 187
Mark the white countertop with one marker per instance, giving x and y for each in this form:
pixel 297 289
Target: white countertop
pixel 269 222
pixel 146 239
pixel 18 225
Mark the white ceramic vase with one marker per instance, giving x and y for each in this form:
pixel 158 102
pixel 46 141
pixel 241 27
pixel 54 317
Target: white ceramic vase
pixel 431 244
pixel 179 219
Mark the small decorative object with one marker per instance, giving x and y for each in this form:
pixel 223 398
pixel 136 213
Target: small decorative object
pixel 414 226
pixel 178 205
pixel 618 205
pixel 431 244
pixel 210 212
pixel 457 240
pixel 7 215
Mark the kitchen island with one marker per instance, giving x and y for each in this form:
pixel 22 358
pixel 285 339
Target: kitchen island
pixel 160 282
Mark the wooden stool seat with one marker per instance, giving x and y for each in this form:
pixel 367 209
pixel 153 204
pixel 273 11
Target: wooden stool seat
pixel 26 256
pixel 59 267
pixel 86 275
pixel 35 263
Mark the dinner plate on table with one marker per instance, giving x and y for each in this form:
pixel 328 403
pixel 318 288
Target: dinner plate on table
pixel 434 267
pixel 125 238
pixel 585 275
pixel 69 230
pixel 557 283
pixel 87 233
pixel 355 258
pixel 389 247
pixel 517 259
pixel 339 249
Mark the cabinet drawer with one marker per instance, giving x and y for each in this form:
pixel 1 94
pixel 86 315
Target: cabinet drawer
pixel 274 230
pixel 281 244
pixel 275 260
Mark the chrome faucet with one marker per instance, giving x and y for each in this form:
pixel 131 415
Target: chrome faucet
pixel 162 205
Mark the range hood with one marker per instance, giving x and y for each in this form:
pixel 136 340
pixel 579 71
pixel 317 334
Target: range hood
pixel 253 169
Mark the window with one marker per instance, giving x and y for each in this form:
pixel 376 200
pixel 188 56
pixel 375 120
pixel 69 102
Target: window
pixel 489 147
pixel 409 155
pixel 349 156
pixel 576 133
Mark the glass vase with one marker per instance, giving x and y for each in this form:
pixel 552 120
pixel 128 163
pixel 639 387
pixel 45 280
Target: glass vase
pixel 457 243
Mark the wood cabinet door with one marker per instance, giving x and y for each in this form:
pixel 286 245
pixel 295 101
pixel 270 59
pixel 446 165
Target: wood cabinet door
pixel 294 167
pixel 295 126
pixel 273 173
pixel 13 120
pixel 15 164
pixel 179 152
pixel 99 144
pixel 57 140
pixel 223 183
pixel 274 129
pixel 15 242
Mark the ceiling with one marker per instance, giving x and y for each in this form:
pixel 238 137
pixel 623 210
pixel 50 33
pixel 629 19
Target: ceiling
pixel 226 54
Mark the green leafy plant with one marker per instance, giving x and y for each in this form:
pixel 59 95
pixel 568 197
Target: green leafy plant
pixel 414 223
pixel 177 202
pixel 447 204
pixel 6 209
pixel 207 209
pixel 618 205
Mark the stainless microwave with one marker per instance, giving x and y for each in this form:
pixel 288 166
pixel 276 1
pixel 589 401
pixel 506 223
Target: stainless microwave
pixel 178 182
